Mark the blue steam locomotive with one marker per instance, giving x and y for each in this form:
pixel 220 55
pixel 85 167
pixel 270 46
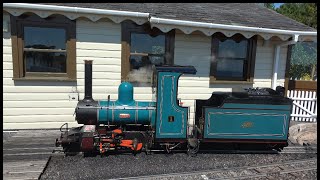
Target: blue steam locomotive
pixel 126 124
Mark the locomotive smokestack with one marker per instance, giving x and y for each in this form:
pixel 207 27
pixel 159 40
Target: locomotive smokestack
pixel 88 80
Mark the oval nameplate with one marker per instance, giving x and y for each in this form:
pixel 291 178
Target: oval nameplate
pixel 124 116
pixel 247 124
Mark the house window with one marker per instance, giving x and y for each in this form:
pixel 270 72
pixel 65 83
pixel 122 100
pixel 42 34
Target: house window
pixel 233 59
pixel 43 48
pixel 143 47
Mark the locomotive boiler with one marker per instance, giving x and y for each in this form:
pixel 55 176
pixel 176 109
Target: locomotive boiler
pixel 125 110
pixel 127 124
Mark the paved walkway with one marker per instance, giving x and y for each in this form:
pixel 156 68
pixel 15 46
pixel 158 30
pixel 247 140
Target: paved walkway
pixel 26 153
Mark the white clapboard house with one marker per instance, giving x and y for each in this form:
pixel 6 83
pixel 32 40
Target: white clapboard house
pixel 45 45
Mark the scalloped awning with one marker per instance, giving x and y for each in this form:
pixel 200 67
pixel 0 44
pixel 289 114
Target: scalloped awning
pixel 43 11
pixel 164 25
pixel 208 29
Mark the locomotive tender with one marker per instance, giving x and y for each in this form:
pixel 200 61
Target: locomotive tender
pixel 151 125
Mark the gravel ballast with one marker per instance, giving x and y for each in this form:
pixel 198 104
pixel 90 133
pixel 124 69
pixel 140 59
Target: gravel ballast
pixel 127 165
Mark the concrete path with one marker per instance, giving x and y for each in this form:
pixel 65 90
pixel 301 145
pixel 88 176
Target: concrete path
pixel 26 153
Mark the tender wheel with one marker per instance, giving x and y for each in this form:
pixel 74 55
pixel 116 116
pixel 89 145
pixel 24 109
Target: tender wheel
pixel 193 149
pixel 147 149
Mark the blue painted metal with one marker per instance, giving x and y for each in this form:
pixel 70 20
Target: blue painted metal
pixel 114 114
pixel 126 110
pixel 125 94
pixel 247 121
pixel 171 118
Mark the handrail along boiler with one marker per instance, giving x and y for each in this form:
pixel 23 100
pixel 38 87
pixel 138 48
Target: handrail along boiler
pixel 163 124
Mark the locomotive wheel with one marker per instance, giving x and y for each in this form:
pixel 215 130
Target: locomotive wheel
pixel 135 144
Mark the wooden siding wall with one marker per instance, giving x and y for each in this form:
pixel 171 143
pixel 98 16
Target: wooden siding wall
pixel 40 104
pixel 194 50
pixel 264 63
pixel 35 104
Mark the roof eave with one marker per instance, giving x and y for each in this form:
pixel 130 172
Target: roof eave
pixel 165 25
pixel 72 13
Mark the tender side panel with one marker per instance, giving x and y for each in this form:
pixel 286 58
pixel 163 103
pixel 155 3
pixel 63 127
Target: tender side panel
pixel 246 123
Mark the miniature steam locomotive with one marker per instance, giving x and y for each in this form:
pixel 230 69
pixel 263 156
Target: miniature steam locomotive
pixel 126 124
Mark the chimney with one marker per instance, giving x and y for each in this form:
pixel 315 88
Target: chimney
pixel 88 80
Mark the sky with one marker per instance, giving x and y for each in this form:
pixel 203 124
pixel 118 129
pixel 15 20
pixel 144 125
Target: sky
pixel 277 5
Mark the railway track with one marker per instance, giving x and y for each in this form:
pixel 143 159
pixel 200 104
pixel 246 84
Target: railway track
pixel 286 150
pixel 299 149
pixel 269 171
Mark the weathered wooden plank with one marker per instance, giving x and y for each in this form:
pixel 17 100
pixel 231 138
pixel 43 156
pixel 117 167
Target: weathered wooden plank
pixel 25 157
pixel 27 154
pixel 30 133
pixel 35 138
pixel 21 175
pixel 22 167
pixel 40 149
pixel 8 165
pixel 30 145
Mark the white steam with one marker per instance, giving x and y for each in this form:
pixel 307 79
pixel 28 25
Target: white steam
pixel 141 76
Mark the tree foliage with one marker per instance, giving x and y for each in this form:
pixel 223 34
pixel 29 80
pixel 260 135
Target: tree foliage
pixel 270 6
pixel 303 63
pixel 305 13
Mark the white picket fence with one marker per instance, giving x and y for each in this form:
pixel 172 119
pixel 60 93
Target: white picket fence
pixel 304 105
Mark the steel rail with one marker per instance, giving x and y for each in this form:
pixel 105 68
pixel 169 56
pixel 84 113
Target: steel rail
pixel 195 173
pixel 301 150
pixel 268 174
